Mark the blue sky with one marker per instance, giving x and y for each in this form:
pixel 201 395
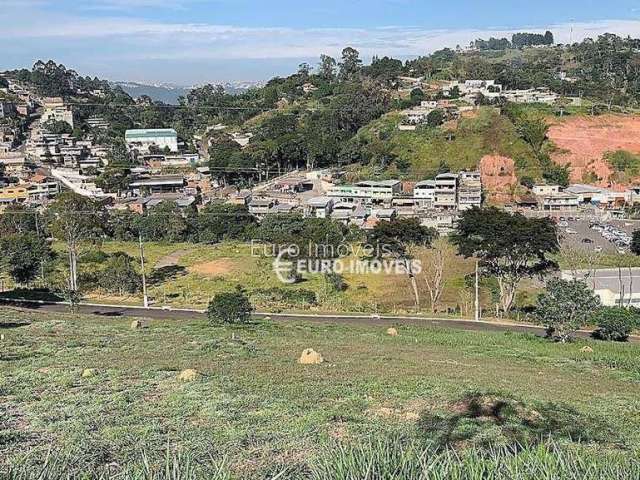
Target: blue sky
pixel 196 41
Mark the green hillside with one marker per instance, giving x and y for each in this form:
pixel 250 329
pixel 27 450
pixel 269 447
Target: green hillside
pixel 460 145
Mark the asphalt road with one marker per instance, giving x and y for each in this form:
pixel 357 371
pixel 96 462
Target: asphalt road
pixel 381 322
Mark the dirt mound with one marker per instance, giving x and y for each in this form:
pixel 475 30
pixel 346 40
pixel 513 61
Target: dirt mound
pixel 498 177
pixel 583 141
pixel 392 332
pixel 310 357
pixel 188 375
pixel 215 268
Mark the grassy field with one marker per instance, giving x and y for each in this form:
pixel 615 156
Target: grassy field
pixel 253 408
pixel 198 272
pixel 189 275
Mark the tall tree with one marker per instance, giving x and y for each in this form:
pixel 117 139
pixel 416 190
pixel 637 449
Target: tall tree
pixel 509 246
pixel 23 255
pixel 350 64
pixel 396 239
pixel 327 68
pixel 75 219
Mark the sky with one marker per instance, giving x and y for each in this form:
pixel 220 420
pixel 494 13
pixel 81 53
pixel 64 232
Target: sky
pixel 190 42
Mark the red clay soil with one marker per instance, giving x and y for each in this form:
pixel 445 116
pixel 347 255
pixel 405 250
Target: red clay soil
pixel 583 141
pixel 498 177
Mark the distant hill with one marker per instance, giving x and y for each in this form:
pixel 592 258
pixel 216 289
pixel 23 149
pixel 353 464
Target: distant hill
pixel 170 93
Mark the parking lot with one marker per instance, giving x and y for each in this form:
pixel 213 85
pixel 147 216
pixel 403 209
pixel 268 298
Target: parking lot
pixel 576 233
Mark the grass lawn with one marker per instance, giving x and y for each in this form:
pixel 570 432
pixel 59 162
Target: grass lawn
pixel 255 408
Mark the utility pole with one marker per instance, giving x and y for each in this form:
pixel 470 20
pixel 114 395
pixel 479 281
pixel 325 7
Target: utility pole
pixel 144 277
pixel 477 316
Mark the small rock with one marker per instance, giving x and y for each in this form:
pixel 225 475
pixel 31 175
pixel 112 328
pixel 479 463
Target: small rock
pixel 88 372
pixel 44 370
pixel 137 325
pixel 392 332
pixel 188 375
pixel 310 357
pixel 586 350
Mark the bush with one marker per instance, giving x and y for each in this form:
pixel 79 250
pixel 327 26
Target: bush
pixel 119 276
pixel 230 307
pixel 615 324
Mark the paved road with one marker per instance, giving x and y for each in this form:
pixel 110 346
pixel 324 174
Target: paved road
pixel 382 322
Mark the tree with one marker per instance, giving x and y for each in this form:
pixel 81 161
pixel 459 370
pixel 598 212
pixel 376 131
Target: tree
pixel 75 219
pixel 23 255
pixel 509 246
pixel 327 68
pixel 435 118
pixel 533 129
pixel 220 221
pixel 557 174
pixel 117 175
pixel 164 223
pixel 57 127
pixel 635 243
pixel 615 323
pixel 396 238
pixel 230 307
pixel 435 262
pixel 19 218
pixel 565 307
pixel 350 64
pixel 120 276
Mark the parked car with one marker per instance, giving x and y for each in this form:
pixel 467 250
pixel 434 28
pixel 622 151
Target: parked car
pixel 571 232
pixel 563 224
pixel 587 240
pixel 598 249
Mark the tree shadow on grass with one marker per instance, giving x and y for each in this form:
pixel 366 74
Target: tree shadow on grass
pixel 164 274
pixel 486 420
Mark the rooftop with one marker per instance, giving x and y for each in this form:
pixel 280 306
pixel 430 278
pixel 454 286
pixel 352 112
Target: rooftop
pixel 150 133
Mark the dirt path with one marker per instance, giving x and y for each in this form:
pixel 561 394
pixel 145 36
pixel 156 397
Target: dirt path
pixel 170 260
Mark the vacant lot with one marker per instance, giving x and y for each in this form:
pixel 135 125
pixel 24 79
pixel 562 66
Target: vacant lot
pixel 253 406
pixel 582 142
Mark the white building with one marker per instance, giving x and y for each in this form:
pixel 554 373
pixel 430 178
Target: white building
pixel 425 193
pixel 367 192
pixel 540 190
pixel 469 190
pixel 319 207
pixel 162 138
pixel 446 191
pixel 56 110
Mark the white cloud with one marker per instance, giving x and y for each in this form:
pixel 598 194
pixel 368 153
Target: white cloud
pixel 134 38
pixel 188 40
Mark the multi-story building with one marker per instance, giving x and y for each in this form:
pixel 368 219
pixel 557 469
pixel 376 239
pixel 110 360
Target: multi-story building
pixel 446 192
pixel 425 193
pixel 56 110
pixel 143 139
pixel 319 207
pixel 369 192
pixel 565 202
pixel 469 190
pixel 158 184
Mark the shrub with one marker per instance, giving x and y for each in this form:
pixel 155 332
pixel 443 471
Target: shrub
pixel 119 276
pixel 615 324
pixel 230 307
pixel 565 307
